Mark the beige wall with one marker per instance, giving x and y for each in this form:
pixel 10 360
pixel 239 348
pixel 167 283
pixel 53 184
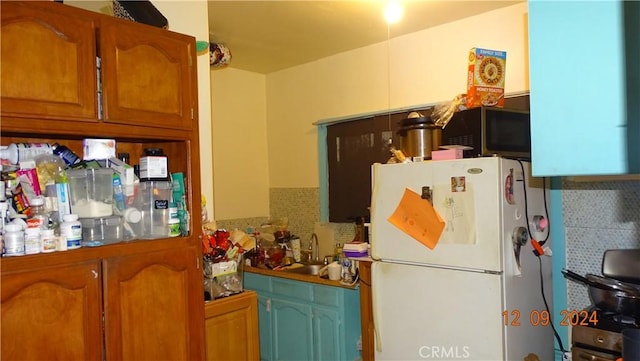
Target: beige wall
pixel 191 17
pixel 239 142
pixel 431 65
pixel 421 68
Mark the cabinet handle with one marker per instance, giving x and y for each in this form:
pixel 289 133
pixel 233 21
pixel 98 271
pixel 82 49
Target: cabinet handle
pixel 95 273
pixel 268 305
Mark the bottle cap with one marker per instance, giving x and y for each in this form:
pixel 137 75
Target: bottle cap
pixel 70 217
pixel 132 215
pixel 12 227
pixel 37 201
pixel 32 231
pixel 153 151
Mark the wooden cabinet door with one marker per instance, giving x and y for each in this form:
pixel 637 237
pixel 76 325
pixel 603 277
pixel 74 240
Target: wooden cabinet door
pixel 327 334
pixel 231 328
pixel 52 313
pixel 148 75
pixel 366 311
pixel 153 306
pixel 48 57
pixel 292 330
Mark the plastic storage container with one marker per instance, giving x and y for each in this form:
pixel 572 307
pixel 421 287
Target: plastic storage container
pixel 101 230
pixel 223 279
pixel 91 192
pixel 155 197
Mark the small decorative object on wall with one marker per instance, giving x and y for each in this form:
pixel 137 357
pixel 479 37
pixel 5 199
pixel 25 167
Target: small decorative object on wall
pixel 141 12
pixel 202 47
pixel 219 55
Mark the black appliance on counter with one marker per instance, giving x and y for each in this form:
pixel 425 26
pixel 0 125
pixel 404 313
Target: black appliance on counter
pixel 490 131
pixel 597 333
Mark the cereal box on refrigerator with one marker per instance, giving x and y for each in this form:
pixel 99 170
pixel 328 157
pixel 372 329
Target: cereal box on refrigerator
pixel 485 79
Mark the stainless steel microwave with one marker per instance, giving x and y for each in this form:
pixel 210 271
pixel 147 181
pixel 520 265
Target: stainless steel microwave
pixel 490 131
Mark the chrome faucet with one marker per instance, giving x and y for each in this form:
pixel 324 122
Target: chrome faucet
pixel 315 251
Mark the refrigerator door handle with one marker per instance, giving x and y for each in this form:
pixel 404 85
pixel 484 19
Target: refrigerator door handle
pixel 375 299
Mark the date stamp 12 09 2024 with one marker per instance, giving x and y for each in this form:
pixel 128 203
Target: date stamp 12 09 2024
pixel 542 318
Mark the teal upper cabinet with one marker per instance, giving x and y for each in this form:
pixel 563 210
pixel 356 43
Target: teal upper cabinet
pixel 584 65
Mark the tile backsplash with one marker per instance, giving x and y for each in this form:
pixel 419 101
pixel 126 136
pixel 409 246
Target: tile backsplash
pixel 597 216
pixel 302 207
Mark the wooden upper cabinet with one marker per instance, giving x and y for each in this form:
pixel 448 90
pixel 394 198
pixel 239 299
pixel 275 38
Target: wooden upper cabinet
pixel 147 75
pixel 52 313
pixel 148 306
pixel 48 60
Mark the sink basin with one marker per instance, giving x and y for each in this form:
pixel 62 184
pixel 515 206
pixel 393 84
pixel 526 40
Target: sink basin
pixel 306 269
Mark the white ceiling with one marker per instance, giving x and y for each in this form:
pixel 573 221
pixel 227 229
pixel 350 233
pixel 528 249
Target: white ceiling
pixel 265 36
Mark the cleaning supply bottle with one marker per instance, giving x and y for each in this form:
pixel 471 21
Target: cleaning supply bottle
pixel 65 153
pixel 20 152
pixel 337 254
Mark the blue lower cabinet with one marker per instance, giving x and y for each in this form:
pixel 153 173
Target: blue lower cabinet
pixel 264 320
pixel 304 321
pixel 328 345
pixel 292 331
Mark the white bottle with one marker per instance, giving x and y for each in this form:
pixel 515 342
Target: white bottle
pixel 4 207
pixel 13 240
pixel 71 230
pixel 48 241
pixel 32 242
pixel 20 152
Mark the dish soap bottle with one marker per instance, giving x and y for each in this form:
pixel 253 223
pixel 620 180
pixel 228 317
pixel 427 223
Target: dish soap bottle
pixel 337 256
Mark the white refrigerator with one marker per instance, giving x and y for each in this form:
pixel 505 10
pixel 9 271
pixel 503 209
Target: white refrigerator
pixel 476 293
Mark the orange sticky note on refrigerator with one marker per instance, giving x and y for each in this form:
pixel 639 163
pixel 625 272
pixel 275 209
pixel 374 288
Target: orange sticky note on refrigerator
pixel 417 218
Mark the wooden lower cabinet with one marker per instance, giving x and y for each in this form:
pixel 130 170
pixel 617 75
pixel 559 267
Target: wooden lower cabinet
pixel 148 312
pixel 366 311
pixel 52 313
pixel 77 305
pixel 231 328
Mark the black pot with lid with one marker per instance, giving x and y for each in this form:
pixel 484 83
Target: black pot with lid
pixel 419 135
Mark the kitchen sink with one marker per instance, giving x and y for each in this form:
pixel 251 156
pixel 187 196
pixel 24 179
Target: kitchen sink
pixel 307 269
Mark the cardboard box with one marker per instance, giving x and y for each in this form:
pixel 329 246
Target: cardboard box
pixel 125 171
pixel 485 78
pixel 98 148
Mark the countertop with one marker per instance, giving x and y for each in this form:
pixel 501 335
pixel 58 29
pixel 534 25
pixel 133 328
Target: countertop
pixel 298 277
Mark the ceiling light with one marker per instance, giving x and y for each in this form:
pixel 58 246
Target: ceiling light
pixel 393 12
